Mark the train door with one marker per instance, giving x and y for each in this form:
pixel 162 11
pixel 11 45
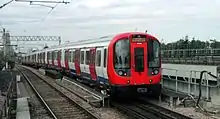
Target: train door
pixel 55 58
pixel 138 59
pixel 69 58
pixel 82 60
pixel 72 59
pixel 59 59
pixel 98 63
pixel 66 59
pixel 105 57
pixel 87 62
pixel 92 68
pixel 34 61
pixel 39 58
pixel 62 58
pixel 77 62
pixel 50 58
pixel 47 58
pixel 44 57
pixel 52 52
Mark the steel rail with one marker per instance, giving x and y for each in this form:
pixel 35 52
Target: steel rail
pixel 75 102
pixel 39 96
pixel 161 111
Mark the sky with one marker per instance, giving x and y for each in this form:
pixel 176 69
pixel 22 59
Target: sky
pixel 169 20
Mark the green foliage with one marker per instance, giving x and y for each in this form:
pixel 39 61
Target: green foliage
pixel 190 44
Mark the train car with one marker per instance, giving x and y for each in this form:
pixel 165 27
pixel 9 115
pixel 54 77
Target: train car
pixel 123 62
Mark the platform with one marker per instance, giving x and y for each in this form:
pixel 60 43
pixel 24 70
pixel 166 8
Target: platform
pixel 22 111
pixel 21 90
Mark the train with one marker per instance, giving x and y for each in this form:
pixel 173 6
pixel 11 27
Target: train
pixel 115 64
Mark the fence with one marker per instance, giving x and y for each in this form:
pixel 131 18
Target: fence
pixel 190 83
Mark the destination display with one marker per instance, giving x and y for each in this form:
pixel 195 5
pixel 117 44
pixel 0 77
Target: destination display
pixel 138 38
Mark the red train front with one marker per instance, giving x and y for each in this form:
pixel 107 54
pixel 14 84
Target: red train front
pixel 134 63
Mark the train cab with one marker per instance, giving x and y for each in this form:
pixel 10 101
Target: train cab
pixel 135 63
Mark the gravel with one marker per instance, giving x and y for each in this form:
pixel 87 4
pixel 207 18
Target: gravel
pixel 103 113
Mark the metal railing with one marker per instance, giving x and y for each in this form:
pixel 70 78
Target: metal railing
pixel 192 56
pixel 191 81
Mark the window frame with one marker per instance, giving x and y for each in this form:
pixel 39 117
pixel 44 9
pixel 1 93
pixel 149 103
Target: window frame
pixel 105 57
pixel 87 59
pixel 114 52
pixel 73 55
pixel 82 57
pixel 153 53
pixel 98 63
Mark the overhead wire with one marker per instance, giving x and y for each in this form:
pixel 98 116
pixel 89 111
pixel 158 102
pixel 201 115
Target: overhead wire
pixel 49 12
pixel 6 4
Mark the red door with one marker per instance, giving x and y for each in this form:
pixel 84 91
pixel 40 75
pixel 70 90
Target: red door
pixel 139 61
pixel 66 59
pixel 92 64
pixel 77 62
pixel 59 59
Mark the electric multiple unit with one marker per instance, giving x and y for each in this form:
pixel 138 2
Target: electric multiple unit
pixel 124 61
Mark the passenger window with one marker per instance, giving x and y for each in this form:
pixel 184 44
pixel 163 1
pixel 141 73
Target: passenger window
pixel 50 54
pixel 98 58
pixel 105 55
pixel 82 57
pixel 69 56
pixel 66 55
pixel 59 54
pixel 55 55
pixel 87 57
pixel 92 60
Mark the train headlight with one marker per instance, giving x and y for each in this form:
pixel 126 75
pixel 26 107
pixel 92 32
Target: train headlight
pixel 150 80
pixel 155 72
pixel 120 72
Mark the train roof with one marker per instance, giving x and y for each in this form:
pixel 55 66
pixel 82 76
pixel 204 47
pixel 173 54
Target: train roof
pixel 100 41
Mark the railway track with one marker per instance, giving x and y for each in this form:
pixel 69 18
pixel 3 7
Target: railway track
pixel 58 105
pixel 142 109
pixel 36 110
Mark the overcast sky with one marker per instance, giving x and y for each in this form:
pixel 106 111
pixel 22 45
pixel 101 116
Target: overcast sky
pixel 81 19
